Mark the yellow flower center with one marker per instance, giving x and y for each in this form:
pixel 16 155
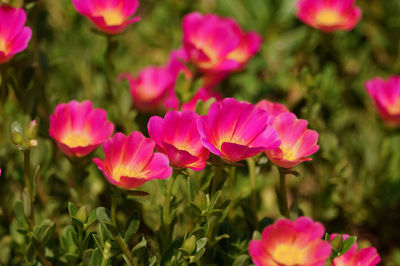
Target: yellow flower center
pixel 147 93
pixel 288 255
pixel 289 153
pixel 112 17
pixel 122 170
pixel 79 139
pixel 329 17
pixel 3 46
pixel 394 109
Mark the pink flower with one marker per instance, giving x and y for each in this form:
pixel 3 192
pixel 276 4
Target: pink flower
pixel 236 130
pixel 130 161
pixel 110 16
pixel 329 15
pixel 291 243
pixel 365 256
pixel 177 137
pixel 297 142
pixel 217 44
pixel 79 129
pixel 386 96
pixel 153 89
pixel 274 109
pixel 203 94
pixel 14 37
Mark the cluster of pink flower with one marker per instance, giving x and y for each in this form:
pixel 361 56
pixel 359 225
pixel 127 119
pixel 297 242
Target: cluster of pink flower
pixel 300 243
pixel 233 130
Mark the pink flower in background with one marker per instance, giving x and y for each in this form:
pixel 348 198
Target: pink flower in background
pixel 236 130
pixel 297 142
pixel 291 243
pixel 14 37
pixel 79 129
pixel 130 161
pixel 177 136
pixel 274 109
pixel 217 44
pixel 363 257
pixel 386 97
pixel 153 89
pixel 203 94
pixel 329 15
pixel 110 16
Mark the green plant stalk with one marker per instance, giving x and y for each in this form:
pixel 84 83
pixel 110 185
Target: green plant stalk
pixel 28 185
pixel 167 203
pixel 110 68
pixel 27 172
pixel 114 201
pixel 283 193
pixel 253 188
pixel 218 179
pixel 124 248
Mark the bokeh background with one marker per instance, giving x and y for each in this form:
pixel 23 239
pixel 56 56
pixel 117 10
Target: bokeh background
pixel 353 183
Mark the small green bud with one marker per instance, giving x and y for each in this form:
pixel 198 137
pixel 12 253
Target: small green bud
pixel 17 138
pixel 31 130
pixel 337 243
pixel 81 215
pixel 189 245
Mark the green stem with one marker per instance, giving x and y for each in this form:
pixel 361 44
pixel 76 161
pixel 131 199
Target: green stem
pixel 124 248
pixel 27 172
pixel 114 201
pixel 283 193
pixel 253 188
pixel 110 68
pixel 167 203
pixel 218 180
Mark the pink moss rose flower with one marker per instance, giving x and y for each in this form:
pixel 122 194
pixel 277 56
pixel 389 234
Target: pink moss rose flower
pixel 217 44
pixel 329 15
pixel 236 130
pixel 203 94
pixel 14 37
pixel 110 16
pixel 386 97
pixel 274 109
pixel 177 136
pixel 153 89
pixel 291 243
pixel 78 129
pixel 365 256
pixel 297 142
pixel 130 161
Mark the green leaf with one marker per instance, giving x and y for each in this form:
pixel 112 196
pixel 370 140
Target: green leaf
pixel 132 226
pixel 72 209
pixel 198 255
pixel 91 219
pixel 192 189
pixel 138 246
pixel 242 260
pixel 69 240
pixel 30 254
pixel 199 232
pixel 97 258
pixel 202 242
pixel 44 231
pixel 26 203
pixel 105 222
pixel 19 212
pixel 347 244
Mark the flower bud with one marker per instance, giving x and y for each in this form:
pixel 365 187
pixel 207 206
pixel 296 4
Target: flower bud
pixel 81 214
pixel 189 245
pixel 31 130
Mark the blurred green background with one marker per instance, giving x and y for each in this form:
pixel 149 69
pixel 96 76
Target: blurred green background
pixel 353 183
